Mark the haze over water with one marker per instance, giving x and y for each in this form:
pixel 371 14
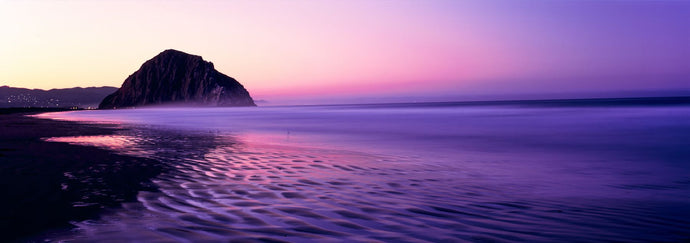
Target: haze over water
pixel 402 172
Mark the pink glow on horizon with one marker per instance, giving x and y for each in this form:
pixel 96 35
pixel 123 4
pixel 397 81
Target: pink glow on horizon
pixel 278 48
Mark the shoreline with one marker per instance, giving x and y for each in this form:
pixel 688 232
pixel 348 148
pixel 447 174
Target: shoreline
pixel 49 184
pixel 31 110
pixel 213 185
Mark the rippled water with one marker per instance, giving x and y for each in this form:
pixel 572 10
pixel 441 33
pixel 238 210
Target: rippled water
pixel 401 174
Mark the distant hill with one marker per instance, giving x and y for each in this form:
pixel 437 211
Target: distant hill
pixel 71 97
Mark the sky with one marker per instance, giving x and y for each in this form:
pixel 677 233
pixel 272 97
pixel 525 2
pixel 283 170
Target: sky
pixel 287 50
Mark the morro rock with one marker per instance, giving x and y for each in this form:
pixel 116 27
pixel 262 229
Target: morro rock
pixel 175 77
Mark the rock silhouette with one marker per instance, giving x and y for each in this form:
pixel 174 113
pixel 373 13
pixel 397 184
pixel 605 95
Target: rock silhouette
pixel 175 77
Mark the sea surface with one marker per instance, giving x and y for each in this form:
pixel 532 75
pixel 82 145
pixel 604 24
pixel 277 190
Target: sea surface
pixel 551 171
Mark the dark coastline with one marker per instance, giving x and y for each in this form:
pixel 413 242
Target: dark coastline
pixel 45 185
pixel 29 110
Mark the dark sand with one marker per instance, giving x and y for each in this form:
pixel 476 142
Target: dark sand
pixel 44 185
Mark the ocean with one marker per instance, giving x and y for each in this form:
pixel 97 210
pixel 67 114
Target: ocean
pixel 537 171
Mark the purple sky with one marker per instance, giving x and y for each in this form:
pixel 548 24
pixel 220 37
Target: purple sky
pixel 283 50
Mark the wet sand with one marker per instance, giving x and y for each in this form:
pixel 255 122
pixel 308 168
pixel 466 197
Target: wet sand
pixel 45 185
pixel 223 187
pixel 158 184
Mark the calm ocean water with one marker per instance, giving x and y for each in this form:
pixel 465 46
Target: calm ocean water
pixel 550 171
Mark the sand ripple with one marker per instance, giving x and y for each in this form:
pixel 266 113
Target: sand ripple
pixel 218 188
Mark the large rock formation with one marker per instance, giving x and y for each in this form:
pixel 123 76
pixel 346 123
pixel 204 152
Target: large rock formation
pixel 177 77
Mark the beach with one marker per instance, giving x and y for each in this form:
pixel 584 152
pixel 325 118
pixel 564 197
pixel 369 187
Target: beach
pixel 345 121
pixel 46 185
pixel 346 173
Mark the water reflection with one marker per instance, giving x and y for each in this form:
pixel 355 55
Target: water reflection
pixel 110 142
pixel 218 187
